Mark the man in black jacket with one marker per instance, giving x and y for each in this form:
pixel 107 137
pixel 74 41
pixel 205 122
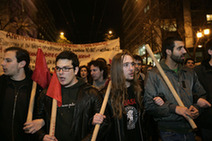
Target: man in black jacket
pixel 125 103
pixel 204 72
pixel 80 103
pixel 15 90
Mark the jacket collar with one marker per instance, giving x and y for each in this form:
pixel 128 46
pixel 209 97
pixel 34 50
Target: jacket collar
pixel 166 68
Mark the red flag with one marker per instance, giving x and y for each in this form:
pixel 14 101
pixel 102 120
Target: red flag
pixel 54 90
pixel 41 74
pixel 110 61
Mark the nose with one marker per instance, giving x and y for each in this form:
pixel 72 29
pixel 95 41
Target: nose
pixel 92 72
pixel 60 71
pixel 3 63
pixel 184 50
pixel 131 67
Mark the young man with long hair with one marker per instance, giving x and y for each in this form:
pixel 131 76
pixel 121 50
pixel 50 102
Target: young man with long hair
pixel 125 106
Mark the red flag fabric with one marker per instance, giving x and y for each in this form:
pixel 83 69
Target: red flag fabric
pixel 41 74
pixel 54 89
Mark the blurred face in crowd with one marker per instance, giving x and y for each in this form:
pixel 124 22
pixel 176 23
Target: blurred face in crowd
pixel 178 53
pixel 10 65
pixel 190 64
pixel 83 72
pixel 128 67
pixel 66 73
pixel 138 66
pixel 96 74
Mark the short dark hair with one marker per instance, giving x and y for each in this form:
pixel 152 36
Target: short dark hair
pixel 137 57
pixel 70 56
pixel 81 67
pixel 101 65
pixel 189 59
pixel 102 59
pixel 168 43
pixel 21 55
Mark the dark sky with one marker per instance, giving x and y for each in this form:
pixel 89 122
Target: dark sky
pixel 86 21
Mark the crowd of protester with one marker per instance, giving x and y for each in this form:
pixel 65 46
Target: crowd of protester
pixel 140 107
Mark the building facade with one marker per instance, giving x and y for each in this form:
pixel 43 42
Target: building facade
pixel 28 18
pixel 150 21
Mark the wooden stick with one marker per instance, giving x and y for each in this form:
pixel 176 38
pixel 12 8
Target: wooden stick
pixel 53 117
pixel 176 96
pixel 104 104
pixel 31 102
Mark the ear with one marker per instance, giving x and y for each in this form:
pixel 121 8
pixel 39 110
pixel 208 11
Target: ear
pixel 22 64
pixel 168 52
pixel 102 71
pixel 210 52
pixel 76 70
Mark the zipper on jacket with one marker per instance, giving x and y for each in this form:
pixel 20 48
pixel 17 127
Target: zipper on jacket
pixel 13 116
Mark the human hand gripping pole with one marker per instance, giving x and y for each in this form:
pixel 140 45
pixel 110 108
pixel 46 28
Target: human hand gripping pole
pixel 104 104
pixel 176 96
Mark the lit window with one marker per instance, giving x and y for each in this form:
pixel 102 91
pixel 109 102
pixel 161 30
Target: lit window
pixel 209 17
pixel 169 25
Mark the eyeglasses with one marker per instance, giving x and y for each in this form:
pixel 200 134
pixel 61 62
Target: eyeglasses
pixel 64 69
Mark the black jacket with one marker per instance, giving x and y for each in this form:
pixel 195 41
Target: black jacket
pixel 14 102
pixel 204 72
pixel 87 104
pixel 115 127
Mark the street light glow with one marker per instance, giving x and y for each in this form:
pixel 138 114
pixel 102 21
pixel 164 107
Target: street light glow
pixel 206 31
pixel 110 32
pixel 62 33
pixel 199 46
pixel 199 34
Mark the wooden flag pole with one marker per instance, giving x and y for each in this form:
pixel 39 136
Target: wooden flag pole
pixel 176 96
pixel 31 103
pixel 53 117
pixel 104 104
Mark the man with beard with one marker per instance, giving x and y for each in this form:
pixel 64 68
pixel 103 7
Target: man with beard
pixel 159 101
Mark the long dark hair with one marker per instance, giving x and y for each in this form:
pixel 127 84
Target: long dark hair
pixel 119 89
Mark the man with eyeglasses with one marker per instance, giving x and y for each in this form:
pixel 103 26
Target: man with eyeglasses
pixel 80 104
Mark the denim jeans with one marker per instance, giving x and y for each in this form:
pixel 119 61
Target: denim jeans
pixel 171 136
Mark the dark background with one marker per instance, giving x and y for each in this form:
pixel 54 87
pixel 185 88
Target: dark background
pixel 86 21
